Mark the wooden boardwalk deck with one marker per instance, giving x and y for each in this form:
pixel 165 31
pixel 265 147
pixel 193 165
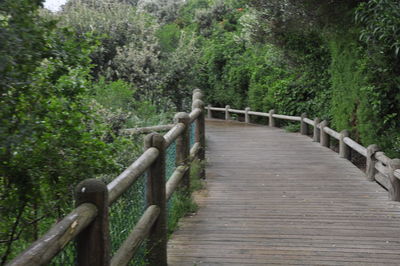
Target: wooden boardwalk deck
pixel 278 198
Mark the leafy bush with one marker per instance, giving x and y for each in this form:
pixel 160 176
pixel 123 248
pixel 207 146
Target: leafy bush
pixel 50 137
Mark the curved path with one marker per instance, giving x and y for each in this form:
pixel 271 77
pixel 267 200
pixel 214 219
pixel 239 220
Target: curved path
pixel 278 198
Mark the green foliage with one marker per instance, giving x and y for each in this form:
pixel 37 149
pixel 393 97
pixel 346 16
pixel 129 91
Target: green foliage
pixel 348 80
pixel 381 22
pixel 168 36
pixel 113 95
pixel 182 203
pixel 223 73
pixel 50 137
pixel 292 127
pixel 129 47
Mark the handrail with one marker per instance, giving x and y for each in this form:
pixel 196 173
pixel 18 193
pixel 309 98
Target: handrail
pixel 332 133
pixel 287 117
pixel 236 111
pixel 388 170
pixel 355 146
pixel 173 134
pixel 45 248
pixel 122 182
pixel 146 130
pixel 174 180
pixel 258 113
pixel 141 230
pixel 309 121
pixel 92 219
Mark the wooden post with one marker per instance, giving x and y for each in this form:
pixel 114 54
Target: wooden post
pixel 394 189
pixel 324 137
pixel 93 243
pixel 197 94
pixel 303 125
pixel 271 118
pixel 183 149
pixel 200 136
pixel 155 195
pixel 344 150
pixel 370 167
pixel 246 115
pixel 227 115
pixel 209 112
pixel 316 135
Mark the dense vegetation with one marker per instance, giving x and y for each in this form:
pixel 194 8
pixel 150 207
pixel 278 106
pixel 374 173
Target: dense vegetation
pixel 338 60
pixel 68 85
pixel 70 81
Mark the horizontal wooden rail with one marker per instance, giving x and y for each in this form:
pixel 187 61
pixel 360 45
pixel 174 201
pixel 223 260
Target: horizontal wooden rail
pixel 174 180
pixel 355 146
pixel 146 130
pixel 309 121
pixel 287 117
pixel 194 151
pixel 173 134
pixel 332 133
pixel 139 233
pixel 45 248
pixel 88 223
pixel 235 111
pixel 258 113
pixel 121 183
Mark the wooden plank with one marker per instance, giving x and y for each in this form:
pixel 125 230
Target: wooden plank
pixel 275 197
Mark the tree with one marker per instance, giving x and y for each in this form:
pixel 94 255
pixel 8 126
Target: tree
pixel 50 137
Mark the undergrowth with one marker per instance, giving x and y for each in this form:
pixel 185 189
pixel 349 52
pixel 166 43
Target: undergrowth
pixel 181 203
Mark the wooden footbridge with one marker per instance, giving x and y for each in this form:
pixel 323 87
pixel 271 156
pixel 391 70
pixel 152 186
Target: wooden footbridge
pixel 278 198
pixel 272 197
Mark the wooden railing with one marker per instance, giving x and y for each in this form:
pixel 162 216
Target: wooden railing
pixel 379 167
pixel 88 222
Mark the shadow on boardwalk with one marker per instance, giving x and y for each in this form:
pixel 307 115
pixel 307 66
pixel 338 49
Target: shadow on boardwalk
pixel 278 198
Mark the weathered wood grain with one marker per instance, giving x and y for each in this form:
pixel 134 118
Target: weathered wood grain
pixel 146 130
pixel 121 183
pixel 278 198
pixel 156 195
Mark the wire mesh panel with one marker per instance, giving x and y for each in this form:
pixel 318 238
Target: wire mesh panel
pixel 170 157
pixel 192 134
pixel 125 213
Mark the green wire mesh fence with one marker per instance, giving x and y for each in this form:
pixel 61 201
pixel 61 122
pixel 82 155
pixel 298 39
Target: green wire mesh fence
pixel 126 212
